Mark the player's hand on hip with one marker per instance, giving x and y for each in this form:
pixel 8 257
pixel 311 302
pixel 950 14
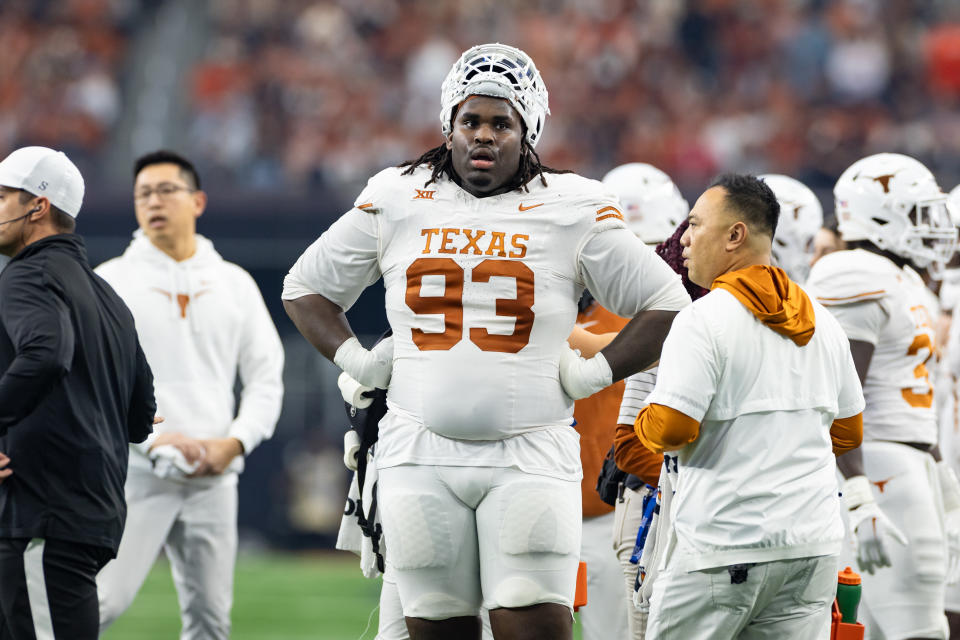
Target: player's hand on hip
pixel 220 453
pixel 191 448
pixel 582 377
pixel 5 470
pixel 870 526
pixel 369 367
pixel 950 494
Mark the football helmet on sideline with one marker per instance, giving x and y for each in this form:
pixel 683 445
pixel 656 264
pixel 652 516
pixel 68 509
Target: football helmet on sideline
pixel 895 202
pixel 653 206
pixel 801 216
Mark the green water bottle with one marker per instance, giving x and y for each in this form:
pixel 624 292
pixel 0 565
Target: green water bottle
pixel 848 595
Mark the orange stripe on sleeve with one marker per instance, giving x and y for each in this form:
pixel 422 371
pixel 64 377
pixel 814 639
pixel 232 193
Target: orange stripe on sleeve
pixel 846 434
pixel 661 428
pixel 854 297
pixel 616 213
pixel 365 206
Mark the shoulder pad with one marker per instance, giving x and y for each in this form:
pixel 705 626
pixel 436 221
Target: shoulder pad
pixel 382 188
pixel 581 197
pixel 848 277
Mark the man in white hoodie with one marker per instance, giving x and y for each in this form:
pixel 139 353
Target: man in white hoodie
pixel 201 321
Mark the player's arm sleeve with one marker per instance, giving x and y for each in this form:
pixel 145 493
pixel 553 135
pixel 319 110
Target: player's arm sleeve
pixel 261 374
pixel 143 404
pixel 661 428
pixel 635 391
pixel 846 434
pixel 341 263
pixel 631 456
pixel 37 320
pixel 860 320
pixel 625 275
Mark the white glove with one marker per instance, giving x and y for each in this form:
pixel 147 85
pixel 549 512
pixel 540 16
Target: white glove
pixel 869 525
pixel 582 377
pixel 169 462
pixel 353 392
pixel 369 367
pixel 950 491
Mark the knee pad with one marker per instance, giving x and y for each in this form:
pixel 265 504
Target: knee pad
pixel 535 521
pixel 417 531
pixel 517 591
pixel 439 606
pixel 929 559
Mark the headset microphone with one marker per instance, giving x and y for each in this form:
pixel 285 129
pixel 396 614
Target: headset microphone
pixel 20 218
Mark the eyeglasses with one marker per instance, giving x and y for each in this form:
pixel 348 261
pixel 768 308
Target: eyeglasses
pixel 163 190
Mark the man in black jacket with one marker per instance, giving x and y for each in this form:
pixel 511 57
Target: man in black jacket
pixel 75 388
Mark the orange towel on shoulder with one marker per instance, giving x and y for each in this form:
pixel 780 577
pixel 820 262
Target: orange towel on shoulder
pixel 776 300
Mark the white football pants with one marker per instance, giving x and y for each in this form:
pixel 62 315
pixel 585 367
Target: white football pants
pixel 629 513
pixel 195 523
pixel 393 625
pixel 906 599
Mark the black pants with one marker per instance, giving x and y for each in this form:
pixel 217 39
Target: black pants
pixel 48 589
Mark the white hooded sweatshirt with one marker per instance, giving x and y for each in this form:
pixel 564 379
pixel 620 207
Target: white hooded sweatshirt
pixel 201 321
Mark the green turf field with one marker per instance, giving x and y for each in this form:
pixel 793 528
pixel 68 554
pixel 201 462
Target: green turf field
pixel 276 597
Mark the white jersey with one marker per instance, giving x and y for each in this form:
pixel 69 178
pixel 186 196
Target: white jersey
pixel 876 301
pixel 758 484
pixel 202 321
pixel 481 294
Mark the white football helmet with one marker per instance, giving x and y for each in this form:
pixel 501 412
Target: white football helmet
pixel 499 71
pixel 801 216
pixel 953 204
pixel 895 202
pixel 653 206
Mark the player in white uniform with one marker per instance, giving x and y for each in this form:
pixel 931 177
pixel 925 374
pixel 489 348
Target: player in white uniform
pixel 653 208
pixel 948 393
pixel 483 259
pixel 801 217
pixel 892 216
pixel 201 321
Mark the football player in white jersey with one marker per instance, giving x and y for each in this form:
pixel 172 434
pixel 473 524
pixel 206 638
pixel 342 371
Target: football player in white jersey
pixel 801 217
pixel 484 254
pixel 893 217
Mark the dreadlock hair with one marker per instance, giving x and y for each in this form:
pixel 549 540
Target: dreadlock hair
pixel 672 253
pixel 441 162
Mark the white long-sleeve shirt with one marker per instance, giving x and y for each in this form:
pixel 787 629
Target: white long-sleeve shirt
pixel 202 321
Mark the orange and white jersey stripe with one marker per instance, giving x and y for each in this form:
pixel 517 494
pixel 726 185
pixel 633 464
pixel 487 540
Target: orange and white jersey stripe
pixel 481 293
pixel 875 301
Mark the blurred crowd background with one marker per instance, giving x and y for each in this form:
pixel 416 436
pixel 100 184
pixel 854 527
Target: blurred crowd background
pixel 288 106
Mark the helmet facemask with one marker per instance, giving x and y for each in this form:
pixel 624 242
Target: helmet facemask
pixel 497 71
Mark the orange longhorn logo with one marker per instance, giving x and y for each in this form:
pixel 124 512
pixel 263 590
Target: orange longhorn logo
pixel 183 300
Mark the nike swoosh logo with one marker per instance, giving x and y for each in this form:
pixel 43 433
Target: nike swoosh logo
pixel 584 325
pixel 533 206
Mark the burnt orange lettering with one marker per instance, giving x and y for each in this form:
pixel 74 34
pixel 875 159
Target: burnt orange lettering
pixel 472 241
pixel 497 246
pixel 521 248
pixel 447 239
pixel 429 233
